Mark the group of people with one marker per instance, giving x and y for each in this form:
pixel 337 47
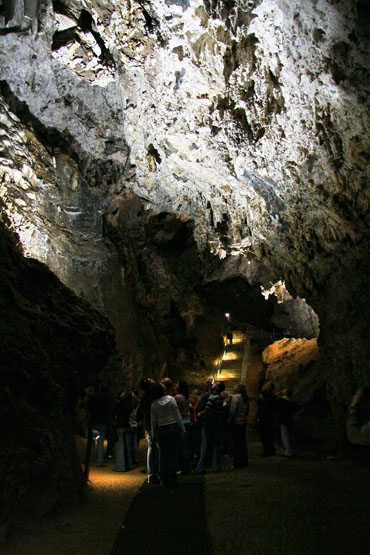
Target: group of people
pixel 189 433
pixel 217 417
pixel 280 409
pixel 276 410
pixel 165 415
pixel 179 428
pixel 116 422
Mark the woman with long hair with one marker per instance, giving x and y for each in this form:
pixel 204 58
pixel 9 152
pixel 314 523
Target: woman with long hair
pixel 238 419
pixel 167 431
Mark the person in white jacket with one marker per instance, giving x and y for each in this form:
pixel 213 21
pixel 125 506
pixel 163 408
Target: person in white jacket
pixel 167 430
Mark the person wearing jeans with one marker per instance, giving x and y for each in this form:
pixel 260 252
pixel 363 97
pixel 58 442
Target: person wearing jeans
pixel 99 433
pixel 143 417
pixel 238 419
pixel 286 408
pixel 167 430
pixel 123 408
pixel 201 466
pixel 100 406
pixel 214 424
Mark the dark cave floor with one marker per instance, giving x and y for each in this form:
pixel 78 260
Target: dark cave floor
pixel 310 504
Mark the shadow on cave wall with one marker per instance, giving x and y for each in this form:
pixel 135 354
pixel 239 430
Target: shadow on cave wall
pixel 52 344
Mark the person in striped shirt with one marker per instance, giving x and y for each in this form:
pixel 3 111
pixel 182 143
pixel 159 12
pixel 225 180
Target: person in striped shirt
pixel 214 424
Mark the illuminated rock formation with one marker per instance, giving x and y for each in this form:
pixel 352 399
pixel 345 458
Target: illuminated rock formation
pixel 167 159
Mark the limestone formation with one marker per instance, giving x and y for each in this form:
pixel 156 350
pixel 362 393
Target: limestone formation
pixel 174 159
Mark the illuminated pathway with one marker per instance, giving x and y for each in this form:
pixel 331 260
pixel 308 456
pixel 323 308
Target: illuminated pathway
pixel 234 360
pixel 242 363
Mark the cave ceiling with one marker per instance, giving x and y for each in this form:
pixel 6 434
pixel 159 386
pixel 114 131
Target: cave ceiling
pixel 163 163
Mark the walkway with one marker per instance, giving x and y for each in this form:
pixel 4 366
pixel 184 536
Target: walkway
pixel 161 517
pixel 232 367
pixel 275 506
pixel 160 522
pixel 241 363
pixel 310 505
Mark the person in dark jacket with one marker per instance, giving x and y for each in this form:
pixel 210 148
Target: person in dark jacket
pixel 228 447
pixel 214 425
pixel 122 411
pixel 266 410
pixel 238 419
pixel 286 409
pixel 358 420
pixel 194 401
pixel 229 334
pixel 182 400
pixel 100 406
pixel 202 462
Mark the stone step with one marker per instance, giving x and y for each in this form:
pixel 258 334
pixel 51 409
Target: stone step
pixel 231 365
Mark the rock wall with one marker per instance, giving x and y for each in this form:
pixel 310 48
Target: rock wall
pixel 53 345
pixel 152 148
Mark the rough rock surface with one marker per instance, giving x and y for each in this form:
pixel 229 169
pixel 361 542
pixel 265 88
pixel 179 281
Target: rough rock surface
pixel 166 159
pixel 52 344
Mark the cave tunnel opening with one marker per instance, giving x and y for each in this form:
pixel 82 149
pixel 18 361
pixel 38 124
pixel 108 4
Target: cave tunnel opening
pixel 244 302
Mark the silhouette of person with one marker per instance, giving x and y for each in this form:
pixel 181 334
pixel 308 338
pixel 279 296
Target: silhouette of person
pixel 133 433
pixel 238 417
pixel 286 408
pixel 100 406
pixel 358 420
pixel 202 462
pixel 182 400
pixel 214 425
pixel 227 449
pixel 195 430
pixel 266 409
pixel 122 410
pixel 229 334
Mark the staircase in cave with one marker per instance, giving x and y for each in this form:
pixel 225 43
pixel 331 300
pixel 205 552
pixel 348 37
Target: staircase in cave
pixel 241 363
pixel 232 367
